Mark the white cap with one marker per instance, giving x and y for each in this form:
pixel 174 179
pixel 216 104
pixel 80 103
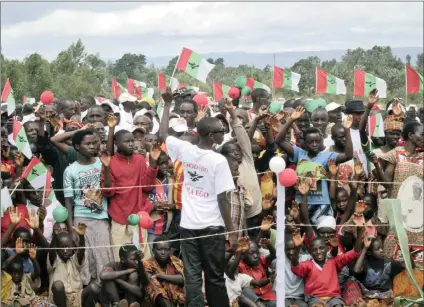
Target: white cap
pixel 134 128
pixel 178 124
pixel 114 108
pixel 126 97
pixel 332 106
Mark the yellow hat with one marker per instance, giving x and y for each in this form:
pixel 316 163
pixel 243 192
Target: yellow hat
pixel 149 101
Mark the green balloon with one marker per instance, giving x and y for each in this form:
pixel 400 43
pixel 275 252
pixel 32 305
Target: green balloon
pixel 241 81
pixel 133 219
pixel 60 214
pixel 275 107
pixel 245 91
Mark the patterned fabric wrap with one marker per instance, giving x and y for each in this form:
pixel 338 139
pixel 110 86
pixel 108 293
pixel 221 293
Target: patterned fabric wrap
pixel 393 123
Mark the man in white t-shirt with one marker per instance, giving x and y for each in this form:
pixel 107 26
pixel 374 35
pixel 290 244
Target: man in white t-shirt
pixel 205 209
pixel 356 108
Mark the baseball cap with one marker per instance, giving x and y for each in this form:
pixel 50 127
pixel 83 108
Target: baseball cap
pixel 178 124
pixel 135 128
pixel 114 108
pixel 314 104
pixel 332 106
pixel 127 97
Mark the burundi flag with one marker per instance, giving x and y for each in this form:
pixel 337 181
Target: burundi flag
pixel 20 139
pixel 364 83
pixel 286 79
pixel 253 84
pixel 220 91
pixel 328 84
pixel 194 64
pixel 376 125
pixel 139 89
pixel 414 81
pixel 29 100
pixel 117 89
pixel 36 174
pixel 164 81
pixel 7 96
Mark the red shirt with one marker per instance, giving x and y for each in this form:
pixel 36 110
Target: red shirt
pixel 259 273
pixel 128 172
pixel 323 281
pixel 340 249
pixel 5 220
pixel 178 184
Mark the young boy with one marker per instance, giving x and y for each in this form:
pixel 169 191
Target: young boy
pixel 238 284
pixel 21 237
pixel 320 273
pixel 165 275
pixel 120 280
pixel 64 267
pixel 24 284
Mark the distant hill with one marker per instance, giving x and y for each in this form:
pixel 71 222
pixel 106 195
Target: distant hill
pixel 282 59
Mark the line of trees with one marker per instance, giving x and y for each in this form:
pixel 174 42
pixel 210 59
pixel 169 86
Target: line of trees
pixel 75 73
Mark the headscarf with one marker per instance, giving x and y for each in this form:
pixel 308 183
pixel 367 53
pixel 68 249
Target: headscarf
pixel 150 101
pixel 393 123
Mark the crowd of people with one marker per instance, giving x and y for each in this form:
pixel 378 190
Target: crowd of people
pixel 201 174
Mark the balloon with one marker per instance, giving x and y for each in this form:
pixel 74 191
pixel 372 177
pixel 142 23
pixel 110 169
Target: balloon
pixel 146 221
pixel 60 214
pixel 287 178
pixel 234 93
pixel 275 107
pixel 277 164
pixel 133 219
pixel 46 97
pixel 241 81
pixel 201 100
pixel 245 91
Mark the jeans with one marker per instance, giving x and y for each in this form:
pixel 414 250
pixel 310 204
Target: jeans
pixel 208 255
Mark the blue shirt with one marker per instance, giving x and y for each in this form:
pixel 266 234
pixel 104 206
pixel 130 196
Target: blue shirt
pixel 308 167
pixel 82 182
pixel 28 266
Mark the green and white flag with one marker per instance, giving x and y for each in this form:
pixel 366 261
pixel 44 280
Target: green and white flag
pixel 286 79
pixel 328 84
pixel 20 139
pixel 7 96
pixel 36 173
pixel 194 64
pixel 364 83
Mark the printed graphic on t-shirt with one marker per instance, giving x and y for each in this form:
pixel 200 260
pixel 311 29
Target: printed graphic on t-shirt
pixel 91 195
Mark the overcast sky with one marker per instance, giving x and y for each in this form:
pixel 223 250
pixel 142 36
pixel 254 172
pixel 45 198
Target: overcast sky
pixel 156 29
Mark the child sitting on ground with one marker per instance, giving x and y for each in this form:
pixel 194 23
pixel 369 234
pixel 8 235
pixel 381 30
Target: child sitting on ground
pixel 165 275
pixel 320 274
pixel 375 274
pixel 238 284
pixel 120 280
pixel 22 292
pixel 64 267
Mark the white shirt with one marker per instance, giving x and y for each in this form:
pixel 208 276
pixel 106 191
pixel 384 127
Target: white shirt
pixel 358 153
pixel 328 142
pixel 206 174
pixel 236 286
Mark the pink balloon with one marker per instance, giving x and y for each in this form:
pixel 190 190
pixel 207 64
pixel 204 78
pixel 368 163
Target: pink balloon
pixel 146 221
pixel 234 93
pixel 46 97
pixel 287 178
pixel 201 100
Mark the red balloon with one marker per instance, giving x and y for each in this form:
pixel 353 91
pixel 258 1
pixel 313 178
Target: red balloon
pixel 287 178
pixel 146 221
pixel 201 100
pixel 234 93
pixel 47 97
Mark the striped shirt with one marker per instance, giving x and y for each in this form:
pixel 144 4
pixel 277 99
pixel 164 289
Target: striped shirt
pixel 178 184
pixel 159 194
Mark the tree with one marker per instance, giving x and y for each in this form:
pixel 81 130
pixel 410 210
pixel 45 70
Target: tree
pixel 420 61
pixel 210 60
pixel 171 66
pixel 306 68
pixel 408 59
pixel 128 65
pixel 219 61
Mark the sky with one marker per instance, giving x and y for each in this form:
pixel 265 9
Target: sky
pixel 159 29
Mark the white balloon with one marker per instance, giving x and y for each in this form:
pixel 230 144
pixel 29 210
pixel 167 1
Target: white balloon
pixel 277 164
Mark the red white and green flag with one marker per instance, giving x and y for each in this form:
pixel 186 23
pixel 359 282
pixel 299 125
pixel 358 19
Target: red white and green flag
pixel 414 81
pixel 164 81
pixel 117 89
pixel 29 100
pixel 220 91
pixel 139 89
pixel 253 84
pixel 287 79
pixel 7 96
pixel 20 139
pixel 328 84
pixel 194 64
pixel 376 125
pixel 364 83
pixel 37 174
